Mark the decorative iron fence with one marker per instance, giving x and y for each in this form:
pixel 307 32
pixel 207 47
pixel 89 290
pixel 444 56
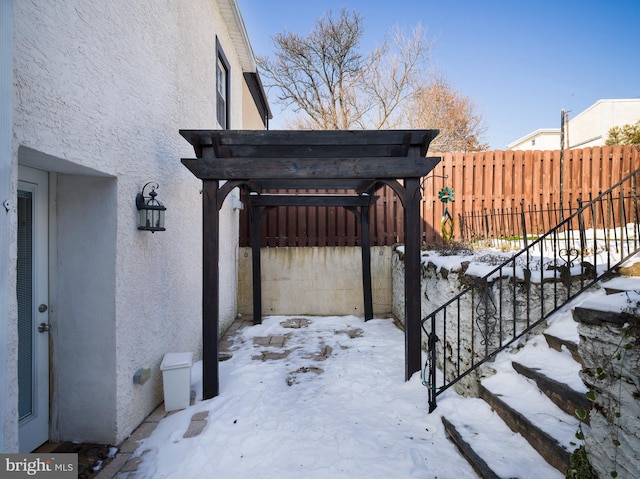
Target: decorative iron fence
pixel 498 309
pixel 514 228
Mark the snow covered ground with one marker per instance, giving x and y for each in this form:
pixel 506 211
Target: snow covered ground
pixel 336 406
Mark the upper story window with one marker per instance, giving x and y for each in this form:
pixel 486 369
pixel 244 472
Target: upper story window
pixel 222 88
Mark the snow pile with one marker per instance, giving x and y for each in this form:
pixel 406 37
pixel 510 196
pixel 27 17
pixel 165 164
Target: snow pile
pixel 335 405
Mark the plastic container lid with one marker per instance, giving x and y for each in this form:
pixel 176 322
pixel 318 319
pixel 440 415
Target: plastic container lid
pixel 176 361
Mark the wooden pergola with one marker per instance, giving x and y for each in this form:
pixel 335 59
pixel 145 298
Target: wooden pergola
pixel 259 162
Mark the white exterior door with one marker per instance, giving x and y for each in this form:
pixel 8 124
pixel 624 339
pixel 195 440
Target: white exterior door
pixel 33 315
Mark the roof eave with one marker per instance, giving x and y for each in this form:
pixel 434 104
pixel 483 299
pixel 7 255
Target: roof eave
pixel 230 12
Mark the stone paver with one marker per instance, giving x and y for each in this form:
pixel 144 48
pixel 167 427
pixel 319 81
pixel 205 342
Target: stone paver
pixel 271 355
pixel 114 466
pixel 261 340
pixel 142 432
pixel 197 424
pixel 132 463
pixel 295 323
pixel 278 341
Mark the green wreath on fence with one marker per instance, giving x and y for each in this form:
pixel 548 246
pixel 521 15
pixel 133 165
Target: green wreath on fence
pixel 446 223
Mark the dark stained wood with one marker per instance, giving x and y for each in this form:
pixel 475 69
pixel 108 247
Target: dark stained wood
pixel 210 289
pixel 274 143
pixel 366 263
pixel 310 200
pixel 312 216
pixel 322 226
pixel 412 281
pixel 278 239
pixel 299 162
pixel 256 218
pixel 270 185
pixel 309 168
pixel 301 227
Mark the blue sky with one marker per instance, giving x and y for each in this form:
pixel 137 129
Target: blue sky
pixel 521 62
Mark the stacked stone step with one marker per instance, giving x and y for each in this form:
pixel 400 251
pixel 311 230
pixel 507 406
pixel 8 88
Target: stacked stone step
pixel 606 330
pixel 535 405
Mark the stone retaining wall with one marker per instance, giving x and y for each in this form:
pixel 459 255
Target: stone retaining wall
pixel 601 339
pixel 478 323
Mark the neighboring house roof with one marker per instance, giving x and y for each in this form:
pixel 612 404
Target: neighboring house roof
pixel 533 139
pixel 586 129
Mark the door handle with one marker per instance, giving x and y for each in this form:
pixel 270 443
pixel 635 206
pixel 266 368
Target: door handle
pixel 44 327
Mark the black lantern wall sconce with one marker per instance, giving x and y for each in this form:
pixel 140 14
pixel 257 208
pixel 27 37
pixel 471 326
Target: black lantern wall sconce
pixel 151 211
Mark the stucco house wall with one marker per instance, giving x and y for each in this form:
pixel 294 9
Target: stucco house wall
pixel 255 110
pixel 100 90
pixel 7 225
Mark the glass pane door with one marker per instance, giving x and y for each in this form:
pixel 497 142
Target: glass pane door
pixel 25 304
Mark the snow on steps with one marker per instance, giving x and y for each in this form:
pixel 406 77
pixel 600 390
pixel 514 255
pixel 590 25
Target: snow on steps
pixel 518 397
pixel 560 343
pixel 620 284
pixel 528 411
pixel 561 394
pixel 533 395
pixel 494 450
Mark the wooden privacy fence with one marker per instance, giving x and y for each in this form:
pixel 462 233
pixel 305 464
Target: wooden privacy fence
pixel 490 180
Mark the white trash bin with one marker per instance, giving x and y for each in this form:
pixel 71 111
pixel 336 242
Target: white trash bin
pixel 176 379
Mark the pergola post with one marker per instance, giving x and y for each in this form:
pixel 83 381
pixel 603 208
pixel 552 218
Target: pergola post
pixel 210 288
pixel 412 331
pixel 366 263
pixel 256 217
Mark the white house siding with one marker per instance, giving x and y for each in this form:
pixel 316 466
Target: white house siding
pixel 543 139
pixel 100 92
pixel 587 129
pixel 591 127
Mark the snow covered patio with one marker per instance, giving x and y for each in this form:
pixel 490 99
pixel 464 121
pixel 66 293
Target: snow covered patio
pixel 325 397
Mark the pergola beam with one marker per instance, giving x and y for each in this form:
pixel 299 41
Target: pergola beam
pixel 247 142
pixel 364 168
pixel 311 200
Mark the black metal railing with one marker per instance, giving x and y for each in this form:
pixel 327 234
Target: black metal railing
pixel 512 227
pixel 518 295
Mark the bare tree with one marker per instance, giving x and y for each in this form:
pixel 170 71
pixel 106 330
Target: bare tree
pixel 332 86
pixel 393 78
pixel 437 105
